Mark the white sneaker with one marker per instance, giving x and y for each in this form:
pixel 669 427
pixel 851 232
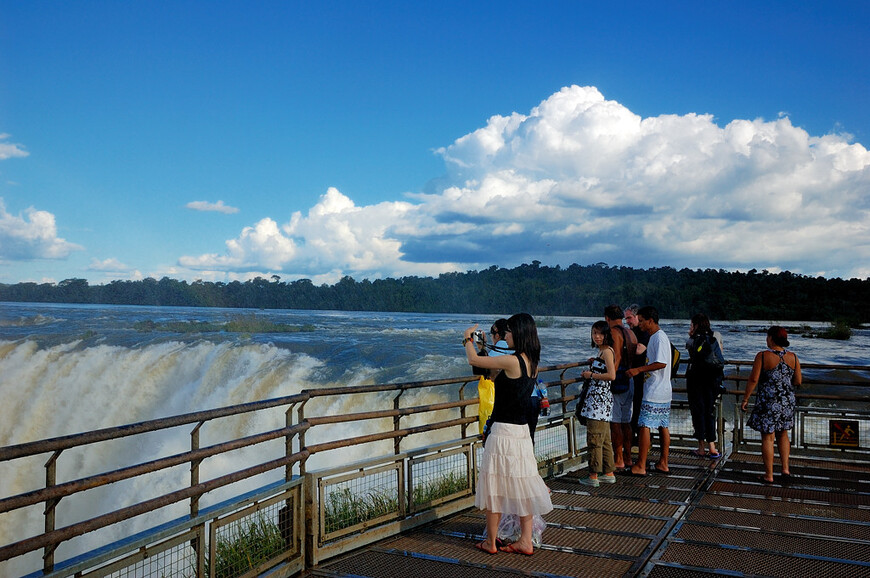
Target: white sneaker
pixel 605 479
pixel 588 482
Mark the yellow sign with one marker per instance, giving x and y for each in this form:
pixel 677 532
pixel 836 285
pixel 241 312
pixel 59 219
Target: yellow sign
pixel 844 433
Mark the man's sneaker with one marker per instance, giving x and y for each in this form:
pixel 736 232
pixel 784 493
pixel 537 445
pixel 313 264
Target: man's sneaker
pixel 588 482
pixel 607 479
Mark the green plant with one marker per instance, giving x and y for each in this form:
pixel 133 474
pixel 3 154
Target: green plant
pixel 444 485
pixel 246 549
pixel 344 509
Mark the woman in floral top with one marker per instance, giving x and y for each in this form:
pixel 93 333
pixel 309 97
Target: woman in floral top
pixel 777 372
pixel 597 407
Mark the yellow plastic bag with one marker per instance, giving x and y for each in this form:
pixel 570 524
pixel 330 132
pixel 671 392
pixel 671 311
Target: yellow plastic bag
pixel 486 393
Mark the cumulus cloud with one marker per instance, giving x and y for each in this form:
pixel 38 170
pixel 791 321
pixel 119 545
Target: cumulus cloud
pixel 10 150
pixel 110 265
pixel 218 207
pixel 32 235
pixel 583 179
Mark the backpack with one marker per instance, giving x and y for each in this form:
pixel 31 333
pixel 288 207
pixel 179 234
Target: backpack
pixel 675 361
pixel 622 382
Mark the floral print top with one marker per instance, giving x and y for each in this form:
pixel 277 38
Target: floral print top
pixel 599 400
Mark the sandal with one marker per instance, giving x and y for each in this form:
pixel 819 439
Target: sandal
pixel 480 546
pixel 512 550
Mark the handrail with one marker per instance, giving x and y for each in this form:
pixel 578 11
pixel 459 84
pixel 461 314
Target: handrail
pixel 80 439
pixel 53 493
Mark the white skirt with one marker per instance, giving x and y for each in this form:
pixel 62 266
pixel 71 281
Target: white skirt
pixel 509 482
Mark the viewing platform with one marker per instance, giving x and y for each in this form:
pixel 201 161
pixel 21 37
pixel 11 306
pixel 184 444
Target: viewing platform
pixel 379 480
pixel 704 517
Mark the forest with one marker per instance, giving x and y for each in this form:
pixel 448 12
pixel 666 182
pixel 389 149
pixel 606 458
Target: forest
pixel 540 290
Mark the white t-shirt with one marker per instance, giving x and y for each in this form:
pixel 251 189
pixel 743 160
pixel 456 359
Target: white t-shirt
pixel 657 386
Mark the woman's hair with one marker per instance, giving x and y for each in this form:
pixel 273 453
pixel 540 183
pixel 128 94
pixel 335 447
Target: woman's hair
pixel 525 335
pixel 702 324
pixel 778 335
pixel 604 329
pixel 500 327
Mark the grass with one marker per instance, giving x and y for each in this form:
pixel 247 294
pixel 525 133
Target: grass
pixel 256 543
pixel 237 324
pixel 445 485
pixel 344 509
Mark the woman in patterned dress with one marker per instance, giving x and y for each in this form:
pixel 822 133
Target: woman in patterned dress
pixel 777 372
pixel 597 407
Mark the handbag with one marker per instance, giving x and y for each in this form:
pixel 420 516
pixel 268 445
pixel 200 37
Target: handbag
pixel 581 401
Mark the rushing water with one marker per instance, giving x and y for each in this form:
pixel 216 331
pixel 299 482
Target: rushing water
pixel 70 368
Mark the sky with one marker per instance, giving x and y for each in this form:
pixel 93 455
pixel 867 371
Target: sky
pixel 223 141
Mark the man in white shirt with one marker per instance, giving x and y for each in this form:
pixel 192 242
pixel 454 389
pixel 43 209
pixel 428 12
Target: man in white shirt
pixel 655 409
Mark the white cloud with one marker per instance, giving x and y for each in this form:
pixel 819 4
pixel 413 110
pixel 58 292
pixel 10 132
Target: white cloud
pixel 10 150
pixel 111 265
pixel 583 179
pixel 218 207
pixel 31 236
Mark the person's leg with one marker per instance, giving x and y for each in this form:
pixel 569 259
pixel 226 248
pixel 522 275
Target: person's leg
pixel 784 451
pixel 595 441
pixel 767 455
pixel 665 441
pixel 525 543
pixel 607 461
pixel 626 436
pixel 710 417
pixel 617 441
pixel 643 442
pixel 492 520
pixel 696 408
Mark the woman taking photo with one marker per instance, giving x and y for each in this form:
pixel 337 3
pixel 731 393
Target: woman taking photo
pixel 703 376
pixel 597 405
pixel 508 482
pixel 776 372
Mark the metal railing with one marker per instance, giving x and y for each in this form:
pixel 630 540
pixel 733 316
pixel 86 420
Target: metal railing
pixel 313 514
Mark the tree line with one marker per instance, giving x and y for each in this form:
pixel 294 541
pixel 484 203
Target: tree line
pixel 541 290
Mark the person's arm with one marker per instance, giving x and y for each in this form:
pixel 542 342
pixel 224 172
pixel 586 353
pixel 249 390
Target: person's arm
pixel 753 379
pixel 797 379
pixel 645 369
pixel 607 356
pixel 506 363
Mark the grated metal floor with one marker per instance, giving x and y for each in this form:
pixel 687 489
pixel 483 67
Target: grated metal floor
pixel 704 517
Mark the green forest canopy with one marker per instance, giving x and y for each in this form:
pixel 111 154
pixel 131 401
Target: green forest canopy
pixel 541 290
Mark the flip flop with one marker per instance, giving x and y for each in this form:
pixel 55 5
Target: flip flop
pixel 510 549
pixel 634 475
pixel 714 455
pixel 763 480
pixel 699 453
pixel 482 548
pixel 664 472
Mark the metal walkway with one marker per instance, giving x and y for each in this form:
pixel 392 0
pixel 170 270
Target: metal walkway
pixel 704 517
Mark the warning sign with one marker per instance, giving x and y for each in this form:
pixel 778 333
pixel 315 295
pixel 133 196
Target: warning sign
pixel 844 433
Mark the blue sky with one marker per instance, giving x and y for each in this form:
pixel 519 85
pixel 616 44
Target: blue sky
pixel 226 140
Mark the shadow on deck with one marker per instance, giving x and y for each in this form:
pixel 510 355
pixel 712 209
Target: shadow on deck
pixel 705 517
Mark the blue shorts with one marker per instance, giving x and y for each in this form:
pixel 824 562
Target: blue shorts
pixel 654 415
pixel 622 402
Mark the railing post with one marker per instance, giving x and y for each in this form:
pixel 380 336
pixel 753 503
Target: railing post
pixel 194 469
pixel 300 418
pixel 288 443
pixel 397 442
pixel 462 409
pixel 50 511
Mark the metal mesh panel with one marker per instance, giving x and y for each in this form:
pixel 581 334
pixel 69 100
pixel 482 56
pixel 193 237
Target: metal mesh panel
pixel 637 507
pixel 780 523
pixel 780 507
pixel 350 501
pixel 759 563
pixel 244 542
pixel 551 442
pixel 174 557
pixel 438 477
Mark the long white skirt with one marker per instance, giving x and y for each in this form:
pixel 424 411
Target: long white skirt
pixel 509 482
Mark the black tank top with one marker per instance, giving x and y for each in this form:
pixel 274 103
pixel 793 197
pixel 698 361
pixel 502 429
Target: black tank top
pixel 513 396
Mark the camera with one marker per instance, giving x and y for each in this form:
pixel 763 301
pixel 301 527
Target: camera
pixel 478 336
